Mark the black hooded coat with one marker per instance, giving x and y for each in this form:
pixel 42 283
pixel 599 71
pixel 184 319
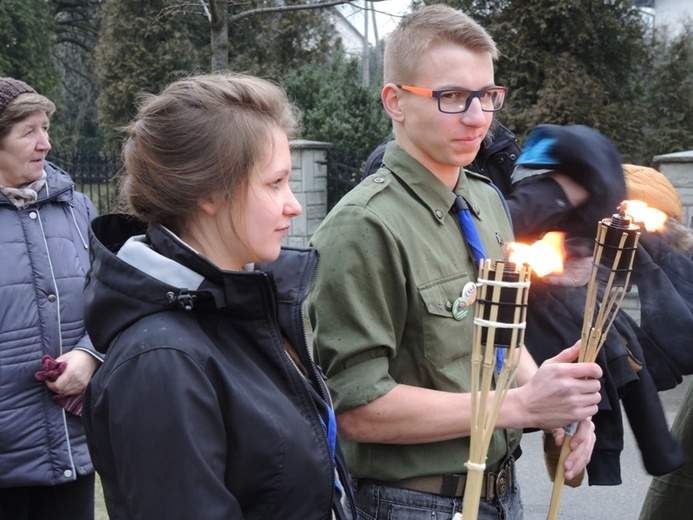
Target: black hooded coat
pixel 198 411
pixel 638 360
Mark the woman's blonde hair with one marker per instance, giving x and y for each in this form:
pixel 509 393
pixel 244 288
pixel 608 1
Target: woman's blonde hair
pixel 200 137
pixel 432 25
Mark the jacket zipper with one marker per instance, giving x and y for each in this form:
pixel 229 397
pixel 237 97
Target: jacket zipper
pixel 304 383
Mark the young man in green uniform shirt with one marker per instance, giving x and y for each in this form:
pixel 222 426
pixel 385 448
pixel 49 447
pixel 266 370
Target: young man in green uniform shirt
pixel 392 262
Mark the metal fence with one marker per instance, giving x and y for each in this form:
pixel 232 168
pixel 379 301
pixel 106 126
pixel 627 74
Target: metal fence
pixel 343 173
pixel 94 175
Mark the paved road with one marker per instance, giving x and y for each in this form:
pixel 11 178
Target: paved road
pixel 591 502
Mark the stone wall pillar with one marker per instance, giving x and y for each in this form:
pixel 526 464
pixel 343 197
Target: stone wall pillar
pixel 678 169
pixel 309 184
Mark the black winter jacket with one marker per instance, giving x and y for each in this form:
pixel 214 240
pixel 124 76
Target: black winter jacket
pixel 197 411
pixel 556 312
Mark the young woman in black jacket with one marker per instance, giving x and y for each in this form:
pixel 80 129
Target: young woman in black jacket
pixel 208 404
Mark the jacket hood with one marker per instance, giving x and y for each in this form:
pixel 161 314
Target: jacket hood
pixel 650 186
pixel 59 185
pixel 497 138
pixel 139 269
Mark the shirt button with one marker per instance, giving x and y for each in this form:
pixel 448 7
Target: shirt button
pixel 51 298
pixel 33 215
pixel 378 180
pixel 67 473
pixel 439 214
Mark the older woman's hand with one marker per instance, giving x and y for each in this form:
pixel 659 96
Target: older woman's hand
pixel 80 367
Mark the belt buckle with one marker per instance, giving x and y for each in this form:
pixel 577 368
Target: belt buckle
pixel 502 482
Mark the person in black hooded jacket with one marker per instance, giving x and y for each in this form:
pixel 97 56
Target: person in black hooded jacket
pixel 634 369
pixel 208 404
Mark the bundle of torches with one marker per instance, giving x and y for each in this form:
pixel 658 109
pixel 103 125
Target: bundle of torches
pixel 500 318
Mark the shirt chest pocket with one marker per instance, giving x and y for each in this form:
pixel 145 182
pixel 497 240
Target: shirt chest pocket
pixel 447 320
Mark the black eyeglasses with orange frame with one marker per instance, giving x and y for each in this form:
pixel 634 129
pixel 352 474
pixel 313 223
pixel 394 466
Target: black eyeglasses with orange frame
pixel 458 100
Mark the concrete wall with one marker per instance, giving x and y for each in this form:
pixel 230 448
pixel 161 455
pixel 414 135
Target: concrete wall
pixel 309 184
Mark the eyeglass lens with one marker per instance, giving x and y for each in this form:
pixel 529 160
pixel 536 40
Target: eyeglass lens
pixel 455 101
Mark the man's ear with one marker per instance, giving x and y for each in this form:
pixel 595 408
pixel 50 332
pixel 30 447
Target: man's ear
pixel 392 99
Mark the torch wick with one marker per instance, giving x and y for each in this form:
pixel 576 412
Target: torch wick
pixel 621 219
pixel 622 209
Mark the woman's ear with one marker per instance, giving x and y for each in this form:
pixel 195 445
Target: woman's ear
pixel 208 206
pixel 392 98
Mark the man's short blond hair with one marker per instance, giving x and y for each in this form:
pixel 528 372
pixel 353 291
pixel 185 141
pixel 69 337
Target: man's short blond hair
pixel 432 25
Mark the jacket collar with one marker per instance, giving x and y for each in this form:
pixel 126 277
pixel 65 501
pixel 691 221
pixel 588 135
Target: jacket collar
pixel 426 186
pixel 126 293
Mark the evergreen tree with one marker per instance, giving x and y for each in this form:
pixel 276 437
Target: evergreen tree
pixel 338 109
pixel 141 49
pixel 144 45
pixel 273 44
pixel 75 122
pixel 26 44
pixel 669 103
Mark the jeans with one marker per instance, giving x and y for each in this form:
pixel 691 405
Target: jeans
pixel 377 502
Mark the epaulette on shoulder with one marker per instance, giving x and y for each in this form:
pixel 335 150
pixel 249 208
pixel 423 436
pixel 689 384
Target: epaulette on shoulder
pixel 369 187
pixel 379 179
pixel 377 183
pixel 476 175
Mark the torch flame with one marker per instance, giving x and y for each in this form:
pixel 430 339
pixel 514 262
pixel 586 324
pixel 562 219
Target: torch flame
pixel 545 256
pixel 640 212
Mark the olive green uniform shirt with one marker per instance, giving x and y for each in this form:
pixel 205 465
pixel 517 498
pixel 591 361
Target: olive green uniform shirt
pixel 392 262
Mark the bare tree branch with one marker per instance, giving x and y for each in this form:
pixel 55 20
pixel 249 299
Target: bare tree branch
pixel 286 8
pixel 217 13
pixel 205 8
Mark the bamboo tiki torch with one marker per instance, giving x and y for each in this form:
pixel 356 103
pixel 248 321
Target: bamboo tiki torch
pixel 612 262
pixel 499 323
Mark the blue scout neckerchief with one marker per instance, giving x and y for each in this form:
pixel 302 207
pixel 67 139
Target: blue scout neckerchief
pixel 471 235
